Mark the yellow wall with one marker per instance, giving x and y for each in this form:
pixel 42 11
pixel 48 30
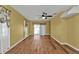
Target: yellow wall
pixel 58 28
pixel 48 28
pixel 66 30
pixel 16 26
pixel 73 31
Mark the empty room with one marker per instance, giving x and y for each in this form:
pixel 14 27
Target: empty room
pixel 39 29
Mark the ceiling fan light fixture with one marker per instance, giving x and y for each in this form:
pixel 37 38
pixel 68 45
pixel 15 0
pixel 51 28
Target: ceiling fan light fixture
pixel 43 17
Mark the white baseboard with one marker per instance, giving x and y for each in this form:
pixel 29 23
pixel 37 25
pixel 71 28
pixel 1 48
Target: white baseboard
pixel 14 45
pixel 57 40
pixel 71 46
pixel 65 44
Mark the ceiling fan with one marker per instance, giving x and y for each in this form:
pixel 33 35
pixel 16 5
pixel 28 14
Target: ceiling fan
pixel 45 15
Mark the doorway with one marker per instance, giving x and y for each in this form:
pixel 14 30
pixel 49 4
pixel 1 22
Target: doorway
pixel 25 32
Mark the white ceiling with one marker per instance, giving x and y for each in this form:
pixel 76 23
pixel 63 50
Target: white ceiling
pixel 33 12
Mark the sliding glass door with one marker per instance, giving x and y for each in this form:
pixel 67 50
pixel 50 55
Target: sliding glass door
pixel 39 29
pixel 36 29
pixel 42 29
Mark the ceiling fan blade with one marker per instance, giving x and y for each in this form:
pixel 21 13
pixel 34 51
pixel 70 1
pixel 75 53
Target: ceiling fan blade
pixel 49 16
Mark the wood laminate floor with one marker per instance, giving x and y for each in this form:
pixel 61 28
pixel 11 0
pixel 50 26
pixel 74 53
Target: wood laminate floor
pixel 38 44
